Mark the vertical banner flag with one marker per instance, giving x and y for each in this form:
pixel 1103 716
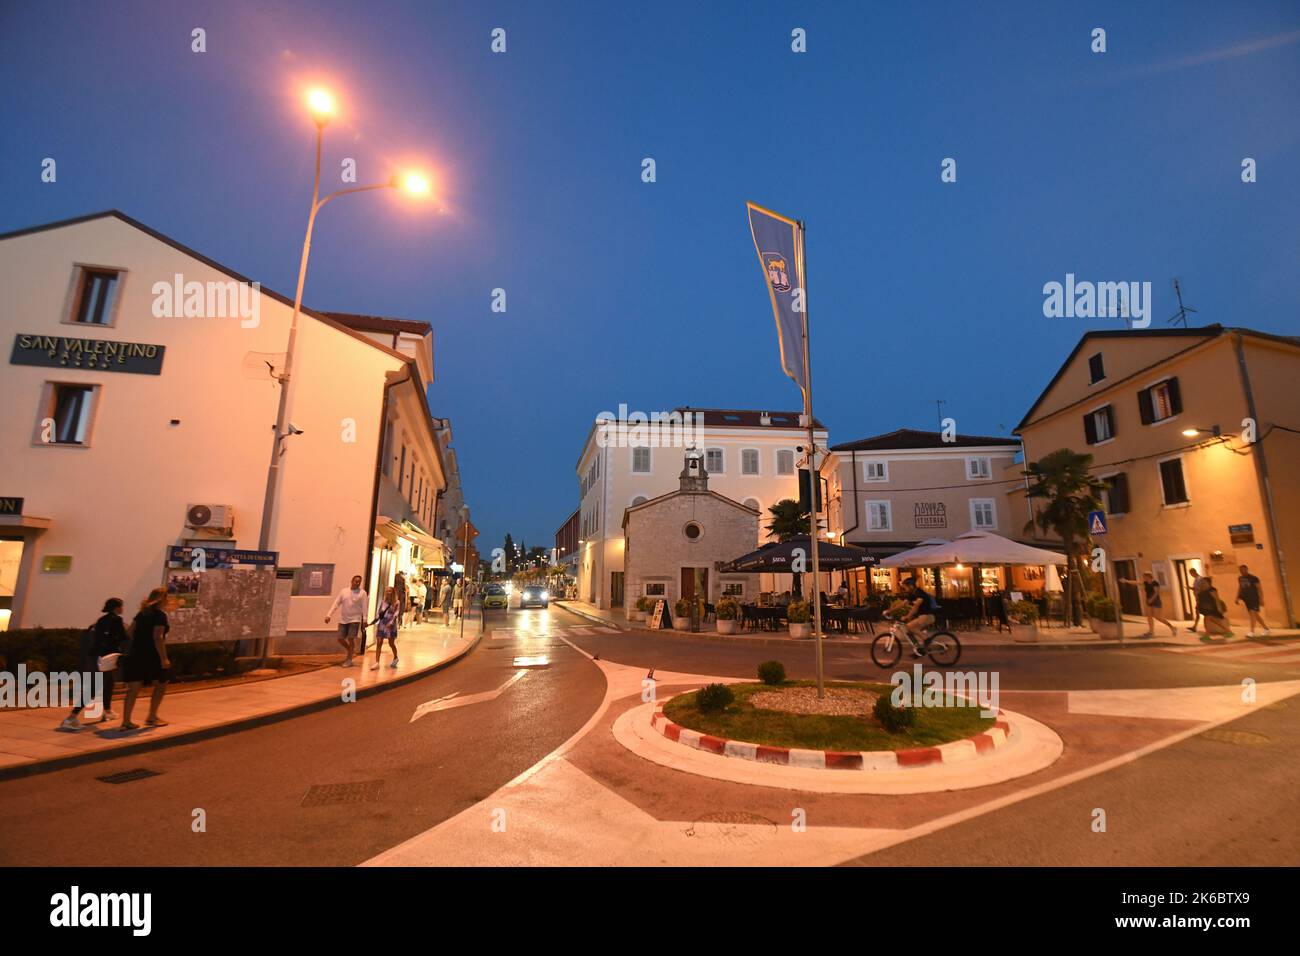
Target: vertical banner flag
pixel 779 244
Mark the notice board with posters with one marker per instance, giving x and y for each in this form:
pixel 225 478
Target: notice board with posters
pixel 221 595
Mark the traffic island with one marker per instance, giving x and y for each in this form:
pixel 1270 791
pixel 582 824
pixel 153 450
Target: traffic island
pixel 946 749
pixel 853 727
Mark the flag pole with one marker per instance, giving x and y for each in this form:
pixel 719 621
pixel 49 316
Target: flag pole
pixel 814 482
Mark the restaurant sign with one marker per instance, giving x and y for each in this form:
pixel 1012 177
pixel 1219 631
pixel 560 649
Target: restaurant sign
pixel 930 514
pixel 61 351
pixel 11 506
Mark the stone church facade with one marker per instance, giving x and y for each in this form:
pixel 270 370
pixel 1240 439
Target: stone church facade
pixel 675 544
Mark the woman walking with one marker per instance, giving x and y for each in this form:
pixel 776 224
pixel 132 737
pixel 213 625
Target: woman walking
pixel 106 636
pixel 386 616
pixel 399 595
pixel 1154 604
pixel 146 662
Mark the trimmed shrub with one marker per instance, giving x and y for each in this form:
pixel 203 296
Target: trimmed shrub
pixel 727 609
pixel 1101 607
pixel 714 698
pixel 893 719
pixel 1023 612
pixel 798 612
pixel 771 672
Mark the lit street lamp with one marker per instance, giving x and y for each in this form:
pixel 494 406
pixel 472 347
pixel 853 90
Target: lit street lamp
pixel 321 104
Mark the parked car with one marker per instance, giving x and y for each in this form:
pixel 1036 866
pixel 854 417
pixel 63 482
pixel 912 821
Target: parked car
pixel 494 595
pixel 535 596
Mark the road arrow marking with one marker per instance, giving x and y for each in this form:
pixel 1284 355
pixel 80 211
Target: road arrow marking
pixel 451 700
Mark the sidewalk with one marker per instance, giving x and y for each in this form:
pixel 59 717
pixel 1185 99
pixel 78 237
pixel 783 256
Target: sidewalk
pixel 1048 637
pixel 30 741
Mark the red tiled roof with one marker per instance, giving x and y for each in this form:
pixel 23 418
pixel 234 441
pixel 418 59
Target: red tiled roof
pixel 913 438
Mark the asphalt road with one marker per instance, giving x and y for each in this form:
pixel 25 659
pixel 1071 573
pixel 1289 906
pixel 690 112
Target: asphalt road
pixel 1018 669
pixel 252 784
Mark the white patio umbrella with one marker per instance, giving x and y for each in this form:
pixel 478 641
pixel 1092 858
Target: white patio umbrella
pixel 974 547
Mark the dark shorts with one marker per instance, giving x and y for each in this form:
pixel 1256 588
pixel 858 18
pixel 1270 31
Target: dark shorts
pixel 349 630
pixel 1252 604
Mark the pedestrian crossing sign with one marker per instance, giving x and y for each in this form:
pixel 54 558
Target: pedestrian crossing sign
pixel 1097 522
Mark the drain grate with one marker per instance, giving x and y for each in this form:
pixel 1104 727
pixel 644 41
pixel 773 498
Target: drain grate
pixel 1241 738
pixel 331 794
pixel 128 776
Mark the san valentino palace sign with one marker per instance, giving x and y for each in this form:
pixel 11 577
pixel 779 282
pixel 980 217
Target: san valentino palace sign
pixel 59 351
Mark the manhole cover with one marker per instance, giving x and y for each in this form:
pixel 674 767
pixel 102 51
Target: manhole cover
pixel 1242 738
pixel 127 776
pixel 738 817
pixel 329 794
pixel 737 829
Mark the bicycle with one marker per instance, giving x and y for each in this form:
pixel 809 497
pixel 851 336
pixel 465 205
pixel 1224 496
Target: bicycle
pixel 941 647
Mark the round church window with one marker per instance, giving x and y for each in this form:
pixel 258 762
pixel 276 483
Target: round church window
pixel 693 531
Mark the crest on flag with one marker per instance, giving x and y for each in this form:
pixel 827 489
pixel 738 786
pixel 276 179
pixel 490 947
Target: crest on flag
pixel 778 275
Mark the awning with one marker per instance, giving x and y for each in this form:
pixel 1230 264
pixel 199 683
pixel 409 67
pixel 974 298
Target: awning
pixel 974 547
pixel 778 557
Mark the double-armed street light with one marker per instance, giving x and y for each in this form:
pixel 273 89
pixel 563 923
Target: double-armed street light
pixel 322 105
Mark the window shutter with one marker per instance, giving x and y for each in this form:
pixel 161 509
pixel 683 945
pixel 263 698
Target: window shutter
pixel 1119 494
pixel 1175 397
pixel 1089 429
pixel 1144 407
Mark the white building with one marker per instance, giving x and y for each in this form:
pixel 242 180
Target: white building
pixel 752 457
pixel 140 386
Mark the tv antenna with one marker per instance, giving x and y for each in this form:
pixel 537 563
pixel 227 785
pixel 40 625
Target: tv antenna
pixel 1179 317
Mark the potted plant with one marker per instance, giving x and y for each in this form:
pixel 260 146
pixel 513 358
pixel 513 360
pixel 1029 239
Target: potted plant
pixel 682 614
pixel 643 606
pixel 727 611
pixel 797 614
pixel 1102 617
pixel 1023 617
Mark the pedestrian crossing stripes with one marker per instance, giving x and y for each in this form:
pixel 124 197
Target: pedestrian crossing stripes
pixel 1250 652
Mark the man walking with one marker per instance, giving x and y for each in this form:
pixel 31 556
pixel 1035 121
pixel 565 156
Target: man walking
pixel 351 605
pixel 1251 594
pixel 1199 584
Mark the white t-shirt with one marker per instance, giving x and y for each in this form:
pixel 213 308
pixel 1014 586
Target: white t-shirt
pixel 352 605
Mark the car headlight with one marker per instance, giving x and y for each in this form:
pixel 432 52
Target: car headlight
pixel 546 595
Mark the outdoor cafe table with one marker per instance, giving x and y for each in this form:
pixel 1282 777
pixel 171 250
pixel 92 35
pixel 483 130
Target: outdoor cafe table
pixel 768 618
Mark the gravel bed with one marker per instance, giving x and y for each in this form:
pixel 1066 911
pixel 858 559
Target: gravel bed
pixel 839 701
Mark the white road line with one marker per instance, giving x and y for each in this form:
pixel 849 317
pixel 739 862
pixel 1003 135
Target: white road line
pixel 451 700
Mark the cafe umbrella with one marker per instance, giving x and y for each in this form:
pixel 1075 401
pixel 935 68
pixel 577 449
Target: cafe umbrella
pixel 790 557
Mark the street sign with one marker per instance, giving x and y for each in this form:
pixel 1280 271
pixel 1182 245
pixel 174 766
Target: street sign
pixel 1097 522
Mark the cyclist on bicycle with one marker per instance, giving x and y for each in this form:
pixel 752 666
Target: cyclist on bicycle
pixel 920 608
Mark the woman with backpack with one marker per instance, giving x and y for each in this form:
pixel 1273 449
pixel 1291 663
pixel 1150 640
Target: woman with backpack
pixel 146 662
pixel 105 636
pixel 1211 607
pixel 386 616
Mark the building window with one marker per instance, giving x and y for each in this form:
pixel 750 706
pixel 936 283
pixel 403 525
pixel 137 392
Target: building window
pixel 733 589
pixel 1116 494
pixel 879 516
pixel 637 500
pixel 785 462
pixel 66 419
pixel 1172 486
pixel 753 503
pixel 388 449
pixel 982 514
pixel 401 472
pixel 641 460
pixel 1160 402
pixel 693 531
pixel 749 461
pixel 876 470
pixel 713 461
pixel 978 468
pixel 96 296
pixel 1096 369
pixel 1099 425
pixel 656 589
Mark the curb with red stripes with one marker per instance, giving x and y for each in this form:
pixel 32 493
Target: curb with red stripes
pixel 952 752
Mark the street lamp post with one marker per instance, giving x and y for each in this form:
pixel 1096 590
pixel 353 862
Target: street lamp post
pixel 322 106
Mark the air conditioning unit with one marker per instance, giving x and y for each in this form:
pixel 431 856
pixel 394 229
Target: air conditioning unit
pixel 210 517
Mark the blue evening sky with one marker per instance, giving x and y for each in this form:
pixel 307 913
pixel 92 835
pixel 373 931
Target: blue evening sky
pixel 1115 166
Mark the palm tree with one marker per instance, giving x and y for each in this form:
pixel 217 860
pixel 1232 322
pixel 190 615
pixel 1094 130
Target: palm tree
pixel 790 520
pixel 1063 482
